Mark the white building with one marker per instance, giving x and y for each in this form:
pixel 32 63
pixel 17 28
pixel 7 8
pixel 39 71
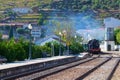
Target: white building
pixel 24 10
pixel 110 24
pixel 109 42
pixel 36 30
pixel 49 39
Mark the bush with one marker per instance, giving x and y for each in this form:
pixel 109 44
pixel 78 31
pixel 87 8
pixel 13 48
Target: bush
pixel 20 52
pixel 56 47
pixel 12 50
pixel 46 49
pixel 3 48
pixel 25 46
pixel 76 47
pixel 10 54
pixel 36 52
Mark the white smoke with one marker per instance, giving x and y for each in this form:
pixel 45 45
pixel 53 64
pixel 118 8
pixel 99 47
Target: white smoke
pixel 111 22
pixel 92 33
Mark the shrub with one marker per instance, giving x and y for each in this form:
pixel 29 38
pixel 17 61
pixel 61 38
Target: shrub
pixel 76 47
pixel 36 52
pixel 20 52
pixel 46 49
pixel 56 47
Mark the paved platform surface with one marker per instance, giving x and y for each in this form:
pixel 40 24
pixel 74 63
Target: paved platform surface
pixel 28 62
pixel 113 53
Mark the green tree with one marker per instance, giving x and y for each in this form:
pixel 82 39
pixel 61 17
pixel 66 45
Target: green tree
pixel 11 14
pixel 41 22
pixel 46 49
pixel 42 19
pixel 116 31
pixel 3 48
pixel 20 30
pixel 12 50
pixel 56 47
pixel 25 45
pixel 84 8
pixel 37 52
pixel 118 37
pixel 0 37
pixel 76 47
pixel 11 33
pixel 20 52
pixel 11 55
pixel 43 31
pixel 65 29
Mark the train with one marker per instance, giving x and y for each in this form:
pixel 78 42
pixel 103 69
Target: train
pixel 93 46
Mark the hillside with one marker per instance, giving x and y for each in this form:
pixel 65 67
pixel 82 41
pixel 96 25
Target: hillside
pixel 102 8
pixel 21 3
pixel 8 4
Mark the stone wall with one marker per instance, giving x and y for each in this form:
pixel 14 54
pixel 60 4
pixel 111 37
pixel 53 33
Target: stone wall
pixel 26 69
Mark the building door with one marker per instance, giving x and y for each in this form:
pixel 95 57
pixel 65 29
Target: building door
pixel 109 47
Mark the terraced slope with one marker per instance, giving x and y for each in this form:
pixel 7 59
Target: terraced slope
pixel 21 3
pixel 102 7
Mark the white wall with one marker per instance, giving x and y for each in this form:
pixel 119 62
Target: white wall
pixel 102 47
pixel 106 43
pixel 24 10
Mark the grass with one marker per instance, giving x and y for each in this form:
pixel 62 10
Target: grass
pixel 31 16
pixel 4 4
pixel 24 21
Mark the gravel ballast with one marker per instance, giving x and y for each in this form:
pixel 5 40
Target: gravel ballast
pixel 75 72
pixel 116 75
pixel 102 73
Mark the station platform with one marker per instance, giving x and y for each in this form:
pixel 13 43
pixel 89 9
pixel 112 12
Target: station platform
pixel 21 68
pixel 29 62
pixel 113 53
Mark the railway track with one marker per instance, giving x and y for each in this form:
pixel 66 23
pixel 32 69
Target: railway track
pixel 95 68
pixel 116 75
pixel 78 72
pixel 104 72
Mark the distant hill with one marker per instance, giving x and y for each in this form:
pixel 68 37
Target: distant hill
pixel 4 4
pixel 103 8
pixel 8 4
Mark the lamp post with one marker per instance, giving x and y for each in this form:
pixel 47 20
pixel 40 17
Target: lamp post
pixel 52 47
pixel 60 43
pixel 75 38
pixel 30 51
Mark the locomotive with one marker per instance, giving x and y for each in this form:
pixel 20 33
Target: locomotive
pixel 93 46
